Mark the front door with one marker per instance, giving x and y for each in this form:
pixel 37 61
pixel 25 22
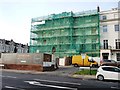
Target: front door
pixel 105 55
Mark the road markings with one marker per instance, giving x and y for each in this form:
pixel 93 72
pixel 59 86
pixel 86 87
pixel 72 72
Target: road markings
pixel 57 82
pixel 13 88
pixel 115 87
pixel 53 86
pixel 8 76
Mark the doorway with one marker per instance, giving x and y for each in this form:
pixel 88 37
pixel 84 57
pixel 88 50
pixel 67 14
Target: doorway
pixel 105 55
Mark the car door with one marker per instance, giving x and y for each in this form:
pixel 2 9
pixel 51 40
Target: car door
pixel 117 71
pixel 114 74
pixel 118 75
pixel 110 73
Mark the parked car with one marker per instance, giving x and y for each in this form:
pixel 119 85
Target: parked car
pixel 108 72
pixel 106 62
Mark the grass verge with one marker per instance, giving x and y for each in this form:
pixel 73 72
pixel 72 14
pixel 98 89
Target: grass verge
pixel 86 72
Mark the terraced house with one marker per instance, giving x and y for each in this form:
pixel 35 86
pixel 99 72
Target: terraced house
pixel 9 46
pixel 110 34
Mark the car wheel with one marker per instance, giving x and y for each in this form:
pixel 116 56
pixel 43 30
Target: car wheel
pixel 53 67
pixel 76 65
pixel 100 77
pixel 93 65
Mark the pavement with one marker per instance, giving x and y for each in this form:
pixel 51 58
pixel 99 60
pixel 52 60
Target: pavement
pixel 56 72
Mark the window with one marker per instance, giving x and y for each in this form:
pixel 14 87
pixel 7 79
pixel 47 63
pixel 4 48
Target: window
pixel 94 40
pixel 118 56
pixel 115 15
pixel 60 47
pixel 83 40
pixel 74 32
pixel 83 46
pixel 112 69
pixel 117 42
pixel 44 41
pixel 116 27
pixel 105 43
pixel 93 31
pixel 105 28
pixel 106 68
pixel 93 46
pixel 104 17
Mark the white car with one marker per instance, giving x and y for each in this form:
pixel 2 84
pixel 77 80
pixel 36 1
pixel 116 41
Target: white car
pixel 108 72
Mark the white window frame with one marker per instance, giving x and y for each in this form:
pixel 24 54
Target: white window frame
pixel 117 27
pixel 104 28
pixel 105 44
pixel 117 43
pixel 118 56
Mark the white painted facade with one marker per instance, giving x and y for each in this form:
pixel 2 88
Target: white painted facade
pixel 108 20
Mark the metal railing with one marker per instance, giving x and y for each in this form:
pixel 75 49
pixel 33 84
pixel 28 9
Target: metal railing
pixel 109 47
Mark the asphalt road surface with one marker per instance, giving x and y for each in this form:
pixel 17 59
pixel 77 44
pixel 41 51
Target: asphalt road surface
pixel 48 81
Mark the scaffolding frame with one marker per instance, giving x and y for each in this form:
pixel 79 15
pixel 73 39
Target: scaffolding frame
pixel 69 33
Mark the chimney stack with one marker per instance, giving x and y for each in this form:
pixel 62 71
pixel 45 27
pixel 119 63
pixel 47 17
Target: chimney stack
pixel 98 8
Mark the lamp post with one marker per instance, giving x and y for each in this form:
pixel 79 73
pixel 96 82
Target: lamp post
pixel 90 69
pixel 91 60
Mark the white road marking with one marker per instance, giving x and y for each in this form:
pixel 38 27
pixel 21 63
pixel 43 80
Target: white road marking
pixel 13 88
pixel 8 76
pixel 39 84
pixel 115 87
pixel 58 82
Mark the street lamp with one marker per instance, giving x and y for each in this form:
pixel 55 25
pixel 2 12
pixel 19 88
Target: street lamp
pixel 90 60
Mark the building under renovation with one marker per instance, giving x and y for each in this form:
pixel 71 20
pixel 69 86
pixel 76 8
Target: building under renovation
pixel 66 34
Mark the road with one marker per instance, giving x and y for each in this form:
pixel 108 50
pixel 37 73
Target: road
pixel 51 81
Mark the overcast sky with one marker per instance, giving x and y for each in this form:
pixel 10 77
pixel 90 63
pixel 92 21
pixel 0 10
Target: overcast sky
pixel 15 15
